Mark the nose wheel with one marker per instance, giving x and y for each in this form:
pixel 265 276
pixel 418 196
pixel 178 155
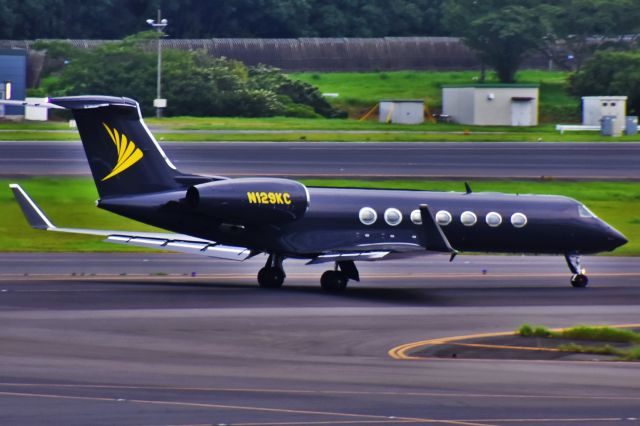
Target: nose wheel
pixel 272 275
pixel 579 278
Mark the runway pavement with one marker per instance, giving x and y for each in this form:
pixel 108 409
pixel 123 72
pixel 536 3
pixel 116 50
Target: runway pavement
pixel 456 160
pixel 137 339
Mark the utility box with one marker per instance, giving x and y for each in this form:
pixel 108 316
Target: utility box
pixel 492 104
pixel 401 111
pixel 631 125
pixel 607 126
pixel 594 108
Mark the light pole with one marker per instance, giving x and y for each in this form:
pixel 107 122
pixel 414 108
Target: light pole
pixel 159 25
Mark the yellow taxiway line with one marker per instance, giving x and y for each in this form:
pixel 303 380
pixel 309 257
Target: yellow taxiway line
pixel 402 352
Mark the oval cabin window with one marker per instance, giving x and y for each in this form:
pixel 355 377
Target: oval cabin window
pixel 392 216
pixel 518 220
pixel 416 217
pixel 368 216
pixel 443 218
pixel 468 218
pixel 493 219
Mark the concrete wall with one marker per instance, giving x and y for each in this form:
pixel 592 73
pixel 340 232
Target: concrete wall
pixel 487 105
pixel 497 111
pixel 458 103
pixel 401 111
pixel 596 107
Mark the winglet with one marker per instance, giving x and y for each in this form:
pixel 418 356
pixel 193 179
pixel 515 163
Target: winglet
pixel 435 240
pixel 35 216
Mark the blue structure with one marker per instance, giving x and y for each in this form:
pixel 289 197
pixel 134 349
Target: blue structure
pixel 13 69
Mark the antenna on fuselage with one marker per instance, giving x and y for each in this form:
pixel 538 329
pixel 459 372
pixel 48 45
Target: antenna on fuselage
pixel 467 187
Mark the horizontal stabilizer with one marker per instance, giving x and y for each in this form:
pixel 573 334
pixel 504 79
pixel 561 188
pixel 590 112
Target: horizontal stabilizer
pixel 34 215
pixel 30 104
pixel 435 240
pixel 156 240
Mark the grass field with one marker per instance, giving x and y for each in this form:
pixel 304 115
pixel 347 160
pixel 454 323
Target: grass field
pixel 360 91
pixel 70 202
pixel 460 135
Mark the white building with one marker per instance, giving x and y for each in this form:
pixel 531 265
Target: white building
pixel 401 111
pixel 594 108
pixel 492 105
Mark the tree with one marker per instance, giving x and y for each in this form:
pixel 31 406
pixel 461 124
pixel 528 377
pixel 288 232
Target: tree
pixel 580 27
pixel 112 19
pixel 500 32
pixel 610 73
pixel 194 83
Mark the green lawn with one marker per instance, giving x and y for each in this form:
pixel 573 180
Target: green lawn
pixel 361 91
pixel 70 202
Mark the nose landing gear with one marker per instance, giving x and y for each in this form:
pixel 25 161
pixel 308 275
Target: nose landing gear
pixel 579 279
pixel 272 275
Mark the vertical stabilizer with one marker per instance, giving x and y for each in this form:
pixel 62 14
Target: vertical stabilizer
pixel 123 155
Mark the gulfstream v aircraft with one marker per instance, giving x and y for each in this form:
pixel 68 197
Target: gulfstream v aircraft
pixel 239 218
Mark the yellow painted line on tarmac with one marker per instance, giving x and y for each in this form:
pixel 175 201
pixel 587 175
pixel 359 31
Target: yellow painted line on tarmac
pixel 401 352
pixel 240 408
pixel 518 348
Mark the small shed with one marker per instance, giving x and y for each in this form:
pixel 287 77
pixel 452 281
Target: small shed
pixel 596 107
pixel 13 79
pixel 492 105
pixel 401 111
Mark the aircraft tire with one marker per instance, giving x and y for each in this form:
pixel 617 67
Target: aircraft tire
pixel 269 277
pixel 579 280
pixel 334 281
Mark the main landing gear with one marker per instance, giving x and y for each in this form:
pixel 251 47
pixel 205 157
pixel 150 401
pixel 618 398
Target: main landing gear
pixel 336 280
pixel 579 279
pixel 272 275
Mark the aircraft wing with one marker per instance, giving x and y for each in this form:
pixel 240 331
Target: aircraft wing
pixel 157 240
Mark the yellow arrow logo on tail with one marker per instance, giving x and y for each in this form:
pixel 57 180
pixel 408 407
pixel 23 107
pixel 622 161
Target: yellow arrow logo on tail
pixel 128 153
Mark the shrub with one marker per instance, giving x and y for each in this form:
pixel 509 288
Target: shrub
pixel 610 73
pixel 194 83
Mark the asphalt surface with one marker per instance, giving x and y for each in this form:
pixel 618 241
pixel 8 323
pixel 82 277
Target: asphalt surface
pixel 136 339
pixel 456 160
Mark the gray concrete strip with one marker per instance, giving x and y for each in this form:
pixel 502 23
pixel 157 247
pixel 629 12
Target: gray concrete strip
pixel 456 160
pixel 185 350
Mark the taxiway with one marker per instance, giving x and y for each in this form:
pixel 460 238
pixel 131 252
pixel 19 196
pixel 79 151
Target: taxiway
pixel 160 339
pixel 431 160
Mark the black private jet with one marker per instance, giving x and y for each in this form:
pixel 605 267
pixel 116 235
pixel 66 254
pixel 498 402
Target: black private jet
pixel 239 218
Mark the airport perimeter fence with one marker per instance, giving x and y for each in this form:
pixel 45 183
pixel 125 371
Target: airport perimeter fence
pixel 319 54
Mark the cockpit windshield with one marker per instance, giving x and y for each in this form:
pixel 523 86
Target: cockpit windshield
pixel 584 211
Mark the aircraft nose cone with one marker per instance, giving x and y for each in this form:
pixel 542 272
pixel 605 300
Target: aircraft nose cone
pixel 615 238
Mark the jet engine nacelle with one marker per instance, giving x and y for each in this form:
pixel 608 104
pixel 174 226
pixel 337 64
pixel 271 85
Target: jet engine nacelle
pixel 251 201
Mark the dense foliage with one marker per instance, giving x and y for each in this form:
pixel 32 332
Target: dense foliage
pixel 499 30
pixel 567 31
pixel 112 19
pixel 193 82
pixel 502 32
pixel 610 73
